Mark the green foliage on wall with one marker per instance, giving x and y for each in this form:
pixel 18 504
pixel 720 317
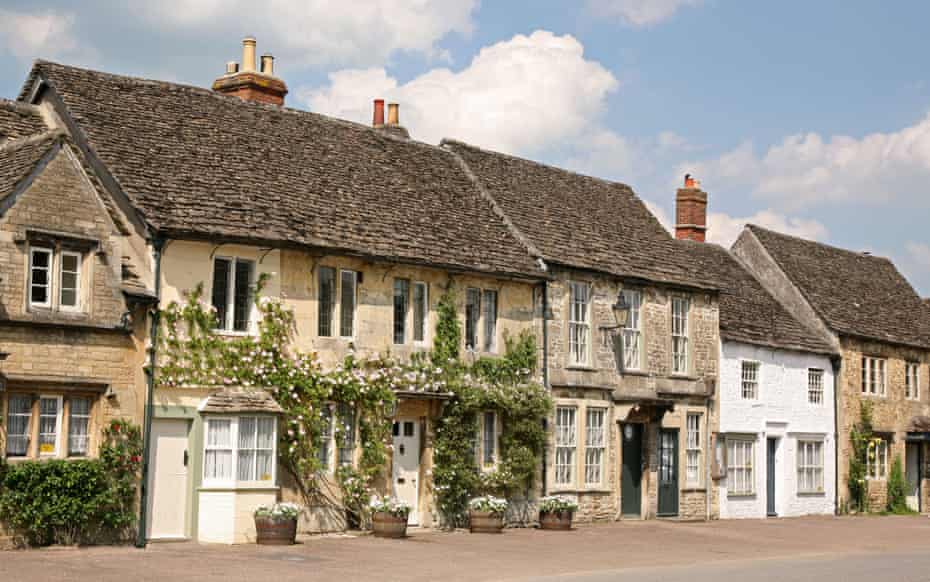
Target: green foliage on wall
pixel 897 489
pixel 860 436
pixel 76 501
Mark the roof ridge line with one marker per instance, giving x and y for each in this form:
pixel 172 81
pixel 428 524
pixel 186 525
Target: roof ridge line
pixel 15 144
pixel 531 248
pixel 864 254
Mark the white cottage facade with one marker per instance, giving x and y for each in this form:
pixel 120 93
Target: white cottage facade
pixel 777 432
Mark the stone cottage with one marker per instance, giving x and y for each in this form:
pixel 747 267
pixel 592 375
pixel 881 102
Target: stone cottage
pixel 360 230
pixel 72 308
pixel 775 450
pixel 877 322
pixel 630 434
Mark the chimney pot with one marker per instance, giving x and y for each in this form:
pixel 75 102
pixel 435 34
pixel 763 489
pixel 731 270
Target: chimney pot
pixel 248 54
pixel 232 67
pixel 378 120
pixel 393 114
pixel 268 64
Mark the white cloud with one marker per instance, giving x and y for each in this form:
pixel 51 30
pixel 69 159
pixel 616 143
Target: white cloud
pixel 807 169
pixel 46 34
pixel 315 32
pixel 522 95
pixel 640 13
pixel 723 229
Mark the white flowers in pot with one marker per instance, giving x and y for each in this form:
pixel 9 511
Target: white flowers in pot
pixel 557 503
pixel 389 505
pixel 283 510
pixel 488 503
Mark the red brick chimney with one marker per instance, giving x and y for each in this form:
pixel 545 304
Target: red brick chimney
pixel 691 211
pixel 249 84
pixel 378 119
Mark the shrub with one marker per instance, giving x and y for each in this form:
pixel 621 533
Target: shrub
pixel 897 488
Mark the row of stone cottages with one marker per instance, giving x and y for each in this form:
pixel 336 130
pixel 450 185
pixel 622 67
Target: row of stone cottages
pixel 730 391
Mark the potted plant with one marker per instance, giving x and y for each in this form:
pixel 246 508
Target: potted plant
pixel 555 512
pixel 486 514
pixel 389 517
pixel 276 525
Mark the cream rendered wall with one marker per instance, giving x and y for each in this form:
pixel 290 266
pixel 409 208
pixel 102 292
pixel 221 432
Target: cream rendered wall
pixel 374 317
pixel 781 410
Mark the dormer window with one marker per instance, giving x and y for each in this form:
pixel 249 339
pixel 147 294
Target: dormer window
pixel 55 279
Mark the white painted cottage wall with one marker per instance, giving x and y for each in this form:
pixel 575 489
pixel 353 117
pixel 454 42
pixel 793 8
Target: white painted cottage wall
pixel 781 410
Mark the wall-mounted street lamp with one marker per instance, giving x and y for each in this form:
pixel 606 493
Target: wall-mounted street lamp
pixel 621 311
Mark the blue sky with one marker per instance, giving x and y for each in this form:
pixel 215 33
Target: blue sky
pixel 808 117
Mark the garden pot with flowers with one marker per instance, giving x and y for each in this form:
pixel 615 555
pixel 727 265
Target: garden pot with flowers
pixel 556 512
pixel 389 517
pixel 486 514
pixel 276 525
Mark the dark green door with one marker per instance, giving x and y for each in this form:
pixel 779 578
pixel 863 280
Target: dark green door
pixel 770 477
pixel 668 473
pixel 631 474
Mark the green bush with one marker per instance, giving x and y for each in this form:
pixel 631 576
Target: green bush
pixel 897 489
pixel 75 501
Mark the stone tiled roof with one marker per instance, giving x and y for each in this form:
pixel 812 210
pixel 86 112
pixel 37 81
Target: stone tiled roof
pixel 749 313
pixel 196 163
pixel 19 157
pixel 855 293
pixel 579 221
pixel 235 400
pixel 18 120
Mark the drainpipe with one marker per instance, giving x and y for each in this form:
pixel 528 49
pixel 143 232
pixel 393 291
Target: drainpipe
pixel 545 421
pixel 708 459
pixel 837 364
pixel 158 246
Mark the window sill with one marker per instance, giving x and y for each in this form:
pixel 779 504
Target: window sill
pixel 740 495
pixel 682 376
pixel 693 489
pixel 580 368
pixel 812 493
pixel 636 372
pixel 238 487
pixel 572 490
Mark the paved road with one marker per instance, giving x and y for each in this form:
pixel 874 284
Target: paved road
pixel 827 549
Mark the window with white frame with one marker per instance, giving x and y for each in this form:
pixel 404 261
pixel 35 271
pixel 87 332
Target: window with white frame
pixel 873 376
pixel 472 317
pixel 876 466
pixel 810 466
pixel 348 296
pixel 324 451
pixel 565 442
pixel 595 442
pixel 749 380
pixel 815 386
pixel 401 306
pixel 326 301
pixel 912 380
pixel 78 424
pixel 232 293
pixel 420 311
pixel 239 449
pixel 740 460
pixel 49 425
pixel 680 308
pixel 344 433
pixel 489 314
pixel 18 421
pixel 693 450
pixel 633 331
pixel 488 439
pixel 54 279
pixel 579 323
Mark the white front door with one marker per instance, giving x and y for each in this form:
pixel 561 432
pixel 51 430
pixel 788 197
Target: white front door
pixel 167 498
pixel 912 473
pixel 406 467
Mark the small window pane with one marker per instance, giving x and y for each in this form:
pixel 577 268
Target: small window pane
pixel 247 442
pixel 408 429
pixel 242 300
pixel 346 443
pixel 420 311
pixel 218 453
pixel 326 439
pixel 401 299
pixel 565 443
pixel 347 298
pixel 19 413
pixel 326 301
pixel 472 315
pixel 489 442
pixel 70 278
pixel 39 287
pixel 220 293
pixel 78 421
pixel 490 319
pixel 49 409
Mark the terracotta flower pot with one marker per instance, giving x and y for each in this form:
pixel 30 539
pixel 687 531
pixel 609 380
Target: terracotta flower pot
pixel 555 520
pixel 275 531
pixel 485 522
pixel 386 525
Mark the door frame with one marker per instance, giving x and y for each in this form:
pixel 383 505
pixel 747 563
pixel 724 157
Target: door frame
pixel 771 476
pixel 640 429
pixel 414 518
pixel 919 447
pixel 676 464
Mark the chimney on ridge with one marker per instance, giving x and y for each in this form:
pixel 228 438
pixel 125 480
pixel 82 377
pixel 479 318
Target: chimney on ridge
pixel 393 125
pixel 244 81
pixel 691 211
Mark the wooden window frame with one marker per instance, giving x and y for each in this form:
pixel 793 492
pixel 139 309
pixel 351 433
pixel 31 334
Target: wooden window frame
pixel 579 324
pixel 750 378
pixel 681 358
pixel 633 331
pixel 233 481
pixel 815 386
pixel 228 326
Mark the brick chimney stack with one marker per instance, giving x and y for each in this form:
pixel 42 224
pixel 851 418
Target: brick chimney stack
pixel 691 211
pixel 247 83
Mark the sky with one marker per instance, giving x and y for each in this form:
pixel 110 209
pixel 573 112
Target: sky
pixel 811 118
